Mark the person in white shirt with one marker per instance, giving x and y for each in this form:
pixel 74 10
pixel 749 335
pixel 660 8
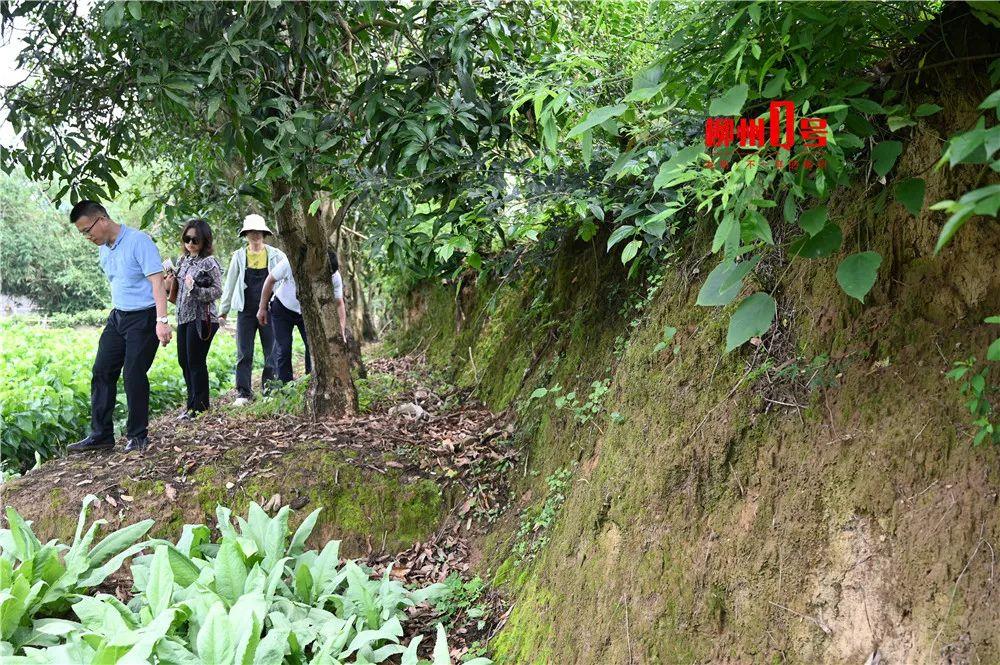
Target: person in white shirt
pixel 286 314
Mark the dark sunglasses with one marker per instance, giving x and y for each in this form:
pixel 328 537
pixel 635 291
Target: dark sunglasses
pixel 191 240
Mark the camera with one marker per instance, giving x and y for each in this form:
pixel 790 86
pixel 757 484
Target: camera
pixel 203 279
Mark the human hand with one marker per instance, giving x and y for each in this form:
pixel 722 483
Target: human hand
pixel 168 279
pixel 222 321
pixel 163 333
pixel 262 316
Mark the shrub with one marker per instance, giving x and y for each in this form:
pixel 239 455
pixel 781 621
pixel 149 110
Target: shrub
pixel 255 595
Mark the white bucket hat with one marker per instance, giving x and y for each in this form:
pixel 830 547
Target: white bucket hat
pixel 254 223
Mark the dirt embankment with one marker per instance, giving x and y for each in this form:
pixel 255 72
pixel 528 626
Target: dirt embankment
pixel 813 499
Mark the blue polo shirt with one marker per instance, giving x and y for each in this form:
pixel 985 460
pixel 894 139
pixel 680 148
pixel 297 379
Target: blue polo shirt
pixel 128 262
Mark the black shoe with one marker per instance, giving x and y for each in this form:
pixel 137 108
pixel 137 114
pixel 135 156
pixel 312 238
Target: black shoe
pixel 136 445
pixel 90 444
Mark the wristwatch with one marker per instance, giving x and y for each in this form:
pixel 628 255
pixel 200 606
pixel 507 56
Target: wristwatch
pixel 162 319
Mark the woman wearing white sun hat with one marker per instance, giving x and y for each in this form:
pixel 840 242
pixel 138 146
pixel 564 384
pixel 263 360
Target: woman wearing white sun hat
pixel 248 268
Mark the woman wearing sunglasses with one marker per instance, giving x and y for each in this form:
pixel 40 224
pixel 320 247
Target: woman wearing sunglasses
pixel 196 287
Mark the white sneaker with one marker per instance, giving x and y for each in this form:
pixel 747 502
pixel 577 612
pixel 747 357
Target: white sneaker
pixel 241 401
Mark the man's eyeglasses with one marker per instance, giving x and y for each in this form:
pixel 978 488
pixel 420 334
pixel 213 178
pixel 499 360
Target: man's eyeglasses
pixel 191 240
pixel 87 231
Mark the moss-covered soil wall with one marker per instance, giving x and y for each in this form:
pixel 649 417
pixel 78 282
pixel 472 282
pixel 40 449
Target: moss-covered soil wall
pixel 370 502
pixel 814 499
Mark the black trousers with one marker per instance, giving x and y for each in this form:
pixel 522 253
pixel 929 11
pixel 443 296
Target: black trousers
pixel 192 355
pixel 128 342
pixel 283 320
pixel 247 328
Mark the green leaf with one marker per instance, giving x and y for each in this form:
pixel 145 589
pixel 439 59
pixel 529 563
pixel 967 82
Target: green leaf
pixel 647 78
pixel 271 650
pixel 830 109
pixel 115 542
pixel 184 571
pixel 776 84
pixel 620 163
pixel 789 209
pixel 752 318
pixel 897 122
pixel 160 585
pixel 631 250
pixel 884 156
pixel 823 244
pixel 910 193
pixel 993 101
pixel 724 282
pixel 926 109
pixel 303 583
pixel 730 103
pixel 230 571
pixel 726 233
pixel 441 655
pixel 620 234
pixel 597 117
pixel 957 220
pixel 759 227
pixel 113 15
pixel 866 106
pixel 813 220
pixel 297 545
pixel 213 106
pixel 644 94
pixel 246 619
pixel 993 353
pixel 682 157
pixel 856 274
pixel 215 643
pixel 97 575
pixel 587 147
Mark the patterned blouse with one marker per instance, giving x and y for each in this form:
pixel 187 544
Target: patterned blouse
pixel 191 300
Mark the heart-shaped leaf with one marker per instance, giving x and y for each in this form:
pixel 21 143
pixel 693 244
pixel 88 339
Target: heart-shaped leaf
pixel 856 274
pixel 910 193
pixel 751 319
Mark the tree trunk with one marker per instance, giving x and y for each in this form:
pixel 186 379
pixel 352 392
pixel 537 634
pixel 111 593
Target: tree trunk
pixel 353 275
pixel 306 243
pixel 356 283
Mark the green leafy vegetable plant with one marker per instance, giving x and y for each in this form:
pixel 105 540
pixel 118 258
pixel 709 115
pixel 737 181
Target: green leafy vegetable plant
pixel 255 596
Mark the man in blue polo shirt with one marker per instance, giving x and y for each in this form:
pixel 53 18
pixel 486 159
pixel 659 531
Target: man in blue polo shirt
pixel 137 322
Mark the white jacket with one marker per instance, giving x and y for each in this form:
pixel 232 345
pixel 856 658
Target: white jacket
pixel 232 292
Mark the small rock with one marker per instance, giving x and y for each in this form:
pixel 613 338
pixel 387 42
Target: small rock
pixel 410 410
pixel 299 502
